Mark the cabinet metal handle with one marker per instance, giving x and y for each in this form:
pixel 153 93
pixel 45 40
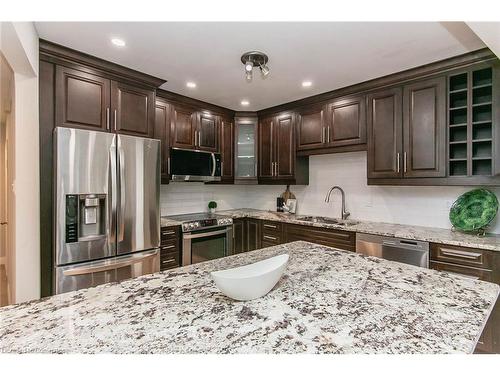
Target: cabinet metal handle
pixel 199 138
pixel 323 134
pixel 270 238
pixel 168 165
pixel 195 138
pixel 114 121
pixel 168 261
pixel 328 134
pixel 222 168
pixel 404 162
pixel 460 254
pixel 270 226
pixel 168 247
pixel 397 162
pixel 107 118
pixel 169 232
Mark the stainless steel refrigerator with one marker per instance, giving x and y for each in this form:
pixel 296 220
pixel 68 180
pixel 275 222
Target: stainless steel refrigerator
pixel 107 208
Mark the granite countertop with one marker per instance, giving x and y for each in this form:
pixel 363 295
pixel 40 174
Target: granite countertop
pixel 328 301
pixel 413 232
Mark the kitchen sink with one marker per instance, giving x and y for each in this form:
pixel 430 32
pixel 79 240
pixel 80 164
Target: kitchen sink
pixel 326 220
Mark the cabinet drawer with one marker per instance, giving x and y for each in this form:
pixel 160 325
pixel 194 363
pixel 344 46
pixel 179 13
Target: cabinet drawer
pixel 271 238
pixel 461 255
pixel 169 259
pixel 169 233
pixel 471 272
pixel 170 245
pixel 323 236
pixel 272 226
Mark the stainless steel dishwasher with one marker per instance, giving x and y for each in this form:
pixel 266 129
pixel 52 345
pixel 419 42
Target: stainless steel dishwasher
pixel 392 248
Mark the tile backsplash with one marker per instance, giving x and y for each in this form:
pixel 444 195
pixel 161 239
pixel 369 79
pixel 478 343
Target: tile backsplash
pixel 416 205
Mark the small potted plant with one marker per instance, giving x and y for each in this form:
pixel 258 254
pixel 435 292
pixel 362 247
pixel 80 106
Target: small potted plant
pixel 212 206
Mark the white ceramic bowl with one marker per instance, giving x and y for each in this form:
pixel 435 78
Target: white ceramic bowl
pixel 251 281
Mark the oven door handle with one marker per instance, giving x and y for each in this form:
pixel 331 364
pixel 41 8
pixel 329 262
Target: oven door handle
pixel 205 234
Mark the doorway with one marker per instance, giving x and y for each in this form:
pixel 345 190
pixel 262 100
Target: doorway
pixel 6 126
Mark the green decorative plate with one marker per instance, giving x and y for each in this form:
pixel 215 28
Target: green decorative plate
pixel 474 210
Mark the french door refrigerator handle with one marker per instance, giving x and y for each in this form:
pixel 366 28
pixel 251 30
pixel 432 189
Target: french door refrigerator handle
pixel 113 194
pixel 121 190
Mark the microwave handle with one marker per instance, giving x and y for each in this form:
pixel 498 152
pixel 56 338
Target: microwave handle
pixel 213 164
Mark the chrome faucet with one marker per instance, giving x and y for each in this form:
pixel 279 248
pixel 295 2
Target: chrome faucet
pixel 344 213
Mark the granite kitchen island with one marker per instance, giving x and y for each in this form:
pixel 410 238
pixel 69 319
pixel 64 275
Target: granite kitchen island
pixel 328 301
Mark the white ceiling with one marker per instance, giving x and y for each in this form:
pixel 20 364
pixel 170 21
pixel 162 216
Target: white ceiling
pixel 331 55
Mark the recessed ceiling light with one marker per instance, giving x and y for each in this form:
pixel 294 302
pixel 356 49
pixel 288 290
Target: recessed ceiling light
pixel 118 42
pixel 245 102
pixel 307 84
pixel 191 85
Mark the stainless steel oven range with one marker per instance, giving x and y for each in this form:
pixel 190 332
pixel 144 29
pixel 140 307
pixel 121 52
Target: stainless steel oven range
pixel 205 237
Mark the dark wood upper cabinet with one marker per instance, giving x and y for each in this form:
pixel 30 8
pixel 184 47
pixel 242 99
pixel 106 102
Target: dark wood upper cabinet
pixel 227 148
pixel 346 121
pixel 133 109
pixel 424 128
pixel 82 100
pixel 266 148
pixel 384 126
pixel 207 132
pixel 310 128
pixel 183 126
pixel 284 166
pixel 278 161
pixel 162 132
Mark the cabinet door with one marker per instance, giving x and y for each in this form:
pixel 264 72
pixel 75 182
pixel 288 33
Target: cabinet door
pixel 82 100
pixel 226 148
pixel 207 132
pixel 424 128
pixel 284 147
pixel 133 109
pixel 239 243
pixel 162 132
pixel 311 128
pixel 384 125
pixel 245 146
pixel 266 148
pixel 253 234
pixel 182 127
pixel 346 123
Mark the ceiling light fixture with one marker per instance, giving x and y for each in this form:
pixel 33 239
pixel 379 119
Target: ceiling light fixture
pixel 245 102
pixel 118 42
pixel 306 84
pixel 191 85
pixel 255 59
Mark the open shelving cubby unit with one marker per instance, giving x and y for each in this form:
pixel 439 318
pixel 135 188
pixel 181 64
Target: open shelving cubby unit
pixel 470 123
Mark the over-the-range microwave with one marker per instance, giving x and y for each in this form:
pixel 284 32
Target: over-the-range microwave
pixel 194 165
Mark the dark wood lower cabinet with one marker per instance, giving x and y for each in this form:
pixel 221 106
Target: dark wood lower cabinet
pixel 323 236
pixel 170 248
pixel 477 264
pixel 246 235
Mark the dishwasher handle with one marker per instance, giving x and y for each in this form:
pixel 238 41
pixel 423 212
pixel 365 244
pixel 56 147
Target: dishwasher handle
pixel 406 244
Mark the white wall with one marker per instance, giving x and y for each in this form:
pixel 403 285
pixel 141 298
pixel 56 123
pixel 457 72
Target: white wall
pixel 19 44
pixel 419 205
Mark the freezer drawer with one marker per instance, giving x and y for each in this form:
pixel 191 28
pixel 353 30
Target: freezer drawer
pixel 86 275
